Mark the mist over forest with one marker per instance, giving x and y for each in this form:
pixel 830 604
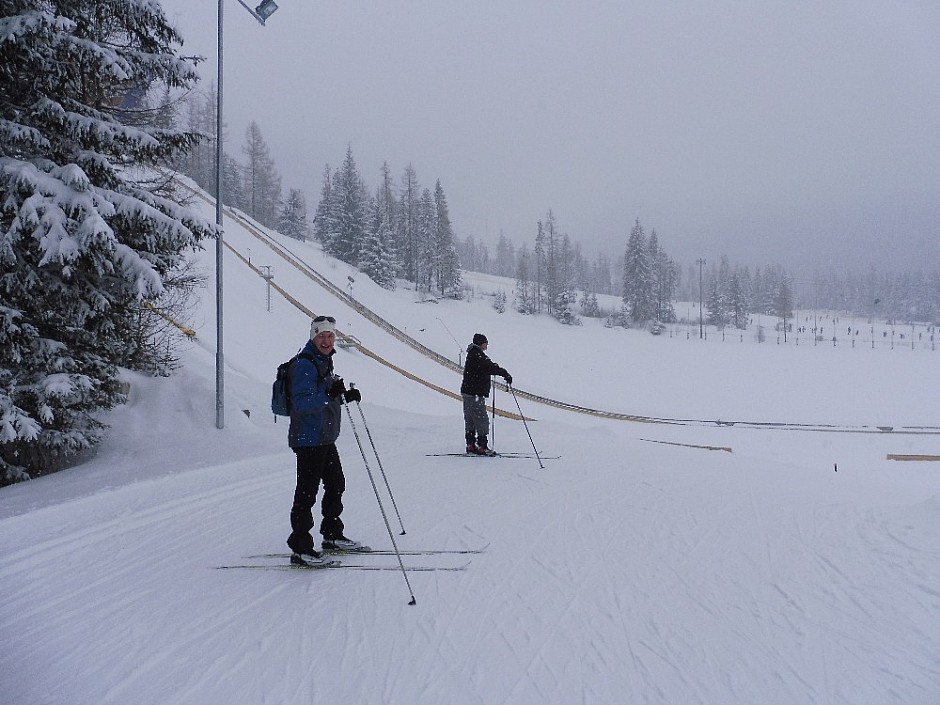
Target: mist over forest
pixel 390 228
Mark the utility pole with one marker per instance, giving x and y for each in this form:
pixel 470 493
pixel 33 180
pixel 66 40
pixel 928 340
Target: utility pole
pixel 700 262
pixel 267 273
pixel 261 13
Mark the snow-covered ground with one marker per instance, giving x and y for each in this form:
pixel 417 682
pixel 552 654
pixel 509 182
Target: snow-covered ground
pixel 802 567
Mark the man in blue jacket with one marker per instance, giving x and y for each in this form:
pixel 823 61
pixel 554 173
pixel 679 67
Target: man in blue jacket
pixel 474 389
pixel 317 395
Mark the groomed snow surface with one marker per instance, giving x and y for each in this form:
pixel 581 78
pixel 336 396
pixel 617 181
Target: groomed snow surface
pixel 802 567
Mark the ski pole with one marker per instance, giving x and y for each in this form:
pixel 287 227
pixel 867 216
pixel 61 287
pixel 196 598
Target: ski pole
pixel 493 423
pixel 381 508
pixel 379 460
pixel 513 392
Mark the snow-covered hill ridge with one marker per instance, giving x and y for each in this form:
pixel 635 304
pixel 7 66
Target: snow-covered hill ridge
pixel 289 252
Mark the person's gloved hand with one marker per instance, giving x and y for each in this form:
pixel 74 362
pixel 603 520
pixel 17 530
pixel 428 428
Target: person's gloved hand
pixel 352 395
pixel 337 388
pixel 508 378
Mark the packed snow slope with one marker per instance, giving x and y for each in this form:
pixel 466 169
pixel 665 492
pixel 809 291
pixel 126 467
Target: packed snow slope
pixel 638 567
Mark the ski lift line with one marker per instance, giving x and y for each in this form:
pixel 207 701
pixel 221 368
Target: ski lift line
pixel 304 268
pixel 353 303
pixel 902 456
pixel 633 418
pixel 436 388
pixel 185 330
pixel 688 445
pixel 365 351
pixel 337 292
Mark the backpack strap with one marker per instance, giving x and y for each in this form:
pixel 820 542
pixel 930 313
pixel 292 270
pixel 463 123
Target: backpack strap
pixel 290 370
pixel 305 356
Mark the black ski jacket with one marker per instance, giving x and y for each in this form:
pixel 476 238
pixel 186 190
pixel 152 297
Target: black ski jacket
pixel 477 371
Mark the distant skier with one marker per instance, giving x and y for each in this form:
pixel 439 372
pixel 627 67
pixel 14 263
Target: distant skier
pixel 474 390
pixel 317 395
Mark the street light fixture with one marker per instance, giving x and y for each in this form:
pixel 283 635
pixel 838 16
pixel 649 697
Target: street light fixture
pixel 260 13
pixel 263 11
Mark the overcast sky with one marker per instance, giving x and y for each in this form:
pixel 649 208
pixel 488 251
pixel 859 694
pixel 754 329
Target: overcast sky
pixel 791 132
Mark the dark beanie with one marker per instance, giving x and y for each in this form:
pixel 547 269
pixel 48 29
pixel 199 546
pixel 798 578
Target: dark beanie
pixel 479 339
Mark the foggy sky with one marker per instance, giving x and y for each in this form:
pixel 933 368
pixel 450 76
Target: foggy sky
pixel 775 132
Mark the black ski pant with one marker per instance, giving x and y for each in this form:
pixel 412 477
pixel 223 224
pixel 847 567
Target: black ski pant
pixel 316 464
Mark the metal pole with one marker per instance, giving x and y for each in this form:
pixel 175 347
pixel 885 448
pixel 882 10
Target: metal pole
pixel 219 242
pixel 537 456
pixel 493 423
pixel 219 355
pixel 379 460
pixel 381 507
pixel 700 262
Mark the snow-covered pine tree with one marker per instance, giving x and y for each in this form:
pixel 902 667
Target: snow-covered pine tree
pixel 386 202
pixel 376 259
pixel 323 218
pixel 589 306
pixel 198 163
pixel 540 267
pixel 292 220
pixel 350 210
pixel 718 302
pixel 737 302
pixel 665 281
pixel 425 233
pixel 467 251
pixel 505 256
pixel 783 301
pixel 566 296
pixel 602 282
pixel 261 180
pixel 552 283
pixel 637 276
pixel 758 294
pixel 406 226
pixel 446 261
pixel 82 241
pixel 524 295
pixel 233 186
pixel 387 210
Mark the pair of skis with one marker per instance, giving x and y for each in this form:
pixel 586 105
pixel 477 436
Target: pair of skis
pixel 497 455
pixel 331 561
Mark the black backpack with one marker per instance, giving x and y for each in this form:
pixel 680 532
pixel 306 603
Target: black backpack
pixel 280 390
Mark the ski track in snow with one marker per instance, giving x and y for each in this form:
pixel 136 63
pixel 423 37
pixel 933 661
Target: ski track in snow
pixel 635 585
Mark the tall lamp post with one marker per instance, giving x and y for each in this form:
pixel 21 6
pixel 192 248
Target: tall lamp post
pixel 261 13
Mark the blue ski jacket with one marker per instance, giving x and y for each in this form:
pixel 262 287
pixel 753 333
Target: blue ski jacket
pixel 315 417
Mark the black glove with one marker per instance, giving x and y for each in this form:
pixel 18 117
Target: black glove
pixel 352 395
pixel 336 388
pixel 508 378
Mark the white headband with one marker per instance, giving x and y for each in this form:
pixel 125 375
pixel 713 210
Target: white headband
pixel 317 327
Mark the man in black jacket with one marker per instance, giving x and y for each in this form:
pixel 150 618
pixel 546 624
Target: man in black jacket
pixel 474 390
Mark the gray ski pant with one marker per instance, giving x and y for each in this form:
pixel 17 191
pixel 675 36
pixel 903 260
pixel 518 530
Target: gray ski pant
pixel 475 419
